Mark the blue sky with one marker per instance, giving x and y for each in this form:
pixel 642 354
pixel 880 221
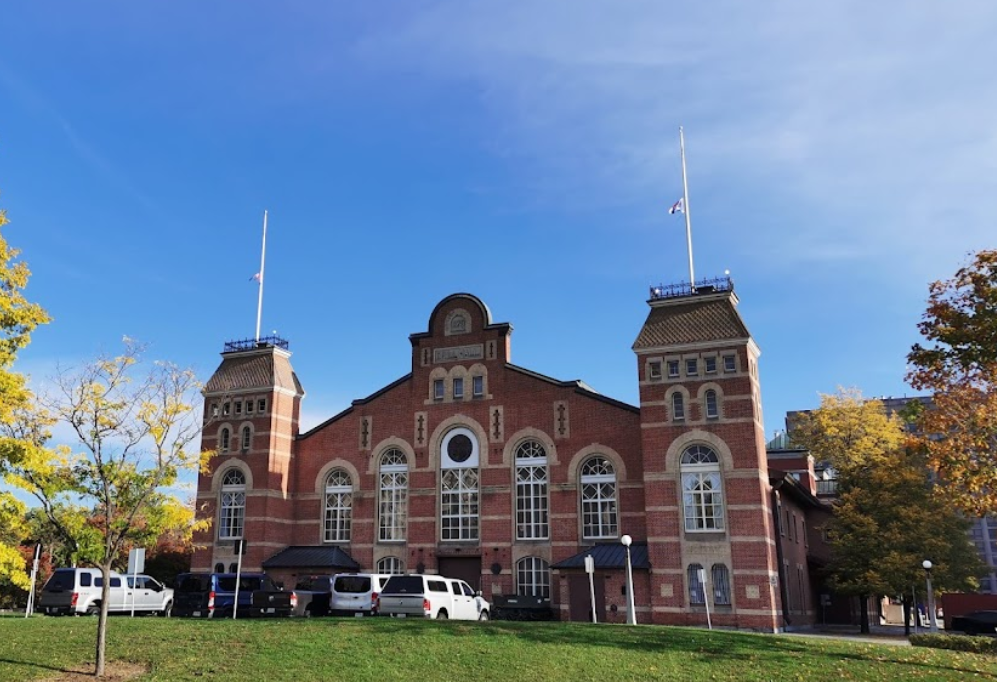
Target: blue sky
pixel 841 156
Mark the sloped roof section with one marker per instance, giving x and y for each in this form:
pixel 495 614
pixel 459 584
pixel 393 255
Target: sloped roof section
pixel 312 557
pixel 691 320
pixel 610 555
pixel 252 370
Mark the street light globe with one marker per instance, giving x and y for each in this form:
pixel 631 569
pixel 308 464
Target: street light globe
pixel 626 540
pixel 926 564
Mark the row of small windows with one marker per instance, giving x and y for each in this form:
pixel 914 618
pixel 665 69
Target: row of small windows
pixel 692 366
pixel 702 495
pixel 225 443
pixel 711 405
pixel 477 387
pixel 239 407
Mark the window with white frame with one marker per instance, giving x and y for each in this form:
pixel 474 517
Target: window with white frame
pixel 692 367
pixel 458 388
pixel 224 439
pixel 261 405
pixel 391 565
pixel 533 577
pixel 249 406
pixel 712 405
pixel 598 492
pixel 710 364
pixel 438 389
pixel 393 500
pixel 730 363
pixel 247 437
pixel 702 494
pixel 678 407
pixel 338 506
pixel 459 515
pixel 478 386
pixel 238 407
pixel 532 521
pixel 654 370
pixel 232 510
pixel 673 368
pixel 697 591
pixel 721 585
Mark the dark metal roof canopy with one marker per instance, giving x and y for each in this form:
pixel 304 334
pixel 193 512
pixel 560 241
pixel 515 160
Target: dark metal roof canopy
pixel 312 557
pixel 610 555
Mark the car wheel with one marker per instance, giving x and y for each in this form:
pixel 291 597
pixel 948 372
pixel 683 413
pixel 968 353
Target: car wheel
pixel 442 614
pixel 93 610
pixel 167 610
pixel 483 615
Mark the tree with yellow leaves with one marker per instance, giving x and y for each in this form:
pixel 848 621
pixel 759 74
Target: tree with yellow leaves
pixel 958 364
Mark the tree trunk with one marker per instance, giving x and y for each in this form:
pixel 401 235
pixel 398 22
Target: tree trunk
pixel 864 611
pixel 105 598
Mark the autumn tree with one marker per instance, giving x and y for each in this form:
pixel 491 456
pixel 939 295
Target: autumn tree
pixel 888 517
pixel 135 435
pixel 957 362
pixel 18 318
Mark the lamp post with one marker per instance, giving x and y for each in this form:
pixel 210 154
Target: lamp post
pixel 626 541
pixel 933 624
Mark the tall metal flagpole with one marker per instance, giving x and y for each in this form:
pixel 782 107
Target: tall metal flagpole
pixel 685 205
pixel 263 258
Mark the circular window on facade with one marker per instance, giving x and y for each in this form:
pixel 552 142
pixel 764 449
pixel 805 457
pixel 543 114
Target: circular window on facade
pixel 460 448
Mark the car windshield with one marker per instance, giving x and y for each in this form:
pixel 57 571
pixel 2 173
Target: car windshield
pixel 193 583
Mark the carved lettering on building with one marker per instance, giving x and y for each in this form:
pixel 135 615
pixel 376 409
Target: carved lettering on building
pixel 458 353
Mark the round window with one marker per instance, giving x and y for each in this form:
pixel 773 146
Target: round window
pixel 459 448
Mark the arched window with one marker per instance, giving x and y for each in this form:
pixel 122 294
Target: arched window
pixel 233 567
pixel 338 506
pixel 721 585
pixel 678 407
pixel 390 565
pixel 223 439
pixel 219 567
pixel 702 494
pixel 532 521
pixel 247 437
pixel 598 490
pixel 393 503
pixel 697 593
pixel 712 406
pixel 459 485
pixel 232 510
pixel 533 577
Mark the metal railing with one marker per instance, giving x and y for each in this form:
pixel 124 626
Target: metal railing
pixel 827 487
pixel 703 286
pixel 251 344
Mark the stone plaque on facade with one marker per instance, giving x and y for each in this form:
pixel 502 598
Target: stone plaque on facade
pixel 458 353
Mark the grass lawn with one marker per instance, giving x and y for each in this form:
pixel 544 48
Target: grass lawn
pixel 387 649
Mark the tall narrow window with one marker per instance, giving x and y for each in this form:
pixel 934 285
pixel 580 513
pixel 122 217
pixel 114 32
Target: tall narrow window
pixel 393 505
pixel 232 510
pixel 533 577
pixel 224 439
pixel 478 386
pixel 678 407
pixel 247 437
pixel 459 485
pixel 238 407
pixel 458 388
pixel 721 585
pixel 338 506
pixel 712 408
pixel 697 593
pixel 261 405
pixel 438 389
pixel 532 521
pixel 730 363
pixel 702 495
pixel 598 490
pixel 390 565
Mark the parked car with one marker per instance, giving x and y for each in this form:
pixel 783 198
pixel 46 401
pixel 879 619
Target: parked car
pixel 313 593
pixel 80 590
pixel 213 595
pixel 431 596
pixel 976 623
pixel 355 594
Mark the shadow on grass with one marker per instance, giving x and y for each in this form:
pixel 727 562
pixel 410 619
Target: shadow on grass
pixel 36 665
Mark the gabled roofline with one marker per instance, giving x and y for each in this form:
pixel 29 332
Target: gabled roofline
pixel 577 384
pixel 783 482
pixel 355 403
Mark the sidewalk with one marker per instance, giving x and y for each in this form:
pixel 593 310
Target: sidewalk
pixel 878 634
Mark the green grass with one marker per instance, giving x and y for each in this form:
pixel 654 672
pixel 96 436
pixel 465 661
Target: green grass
pixel 386 649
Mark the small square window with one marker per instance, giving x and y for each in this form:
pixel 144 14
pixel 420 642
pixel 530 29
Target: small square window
pixel 692 367
pixel 458 388
pixel 226 409
pixel 730 363
pixel 214 409
pixel 238 407
pixel 261 405
pixel 654 370
pixel 438 389
pixel 673 368
pixel 478 386
pixel 711 364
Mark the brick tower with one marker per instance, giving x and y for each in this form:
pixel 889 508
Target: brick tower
pixel 251 409
pixel 704 462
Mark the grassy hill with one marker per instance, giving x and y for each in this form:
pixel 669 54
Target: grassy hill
pixel 384 649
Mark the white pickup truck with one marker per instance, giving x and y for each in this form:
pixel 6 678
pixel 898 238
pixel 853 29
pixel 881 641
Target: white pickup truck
pixel 78 591
pixel 431 596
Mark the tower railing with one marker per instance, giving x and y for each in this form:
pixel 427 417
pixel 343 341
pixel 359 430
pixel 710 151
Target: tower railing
pixel 252 344
pixel 703 286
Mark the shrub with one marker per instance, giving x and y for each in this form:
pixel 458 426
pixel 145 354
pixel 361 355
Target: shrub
pixel 976 645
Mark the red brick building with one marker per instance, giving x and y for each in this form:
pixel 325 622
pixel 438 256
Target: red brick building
pixel 477 468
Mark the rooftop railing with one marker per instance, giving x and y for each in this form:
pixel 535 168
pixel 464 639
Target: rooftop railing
pixel 703 286
pixel 252 344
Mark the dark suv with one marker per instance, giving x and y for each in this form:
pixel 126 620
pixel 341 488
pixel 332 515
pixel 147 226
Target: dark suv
pixel 213 595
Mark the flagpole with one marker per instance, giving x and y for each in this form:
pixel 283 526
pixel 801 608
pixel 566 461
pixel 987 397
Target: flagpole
pixel 685 202
pixel 263 257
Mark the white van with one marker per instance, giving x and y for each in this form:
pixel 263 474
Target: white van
pixel 431 596
pixel 78 591
pixel 355 594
